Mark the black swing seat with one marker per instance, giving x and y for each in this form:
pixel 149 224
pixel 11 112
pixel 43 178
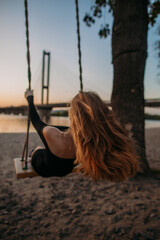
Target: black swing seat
pixel 20 171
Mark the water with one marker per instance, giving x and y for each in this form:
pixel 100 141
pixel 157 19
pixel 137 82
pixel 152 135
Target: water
pixel 152 124
pixel 17 124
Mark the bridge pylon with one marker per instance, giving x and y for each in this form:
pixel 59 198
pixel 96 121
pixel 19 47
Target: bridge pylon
pixel 45 82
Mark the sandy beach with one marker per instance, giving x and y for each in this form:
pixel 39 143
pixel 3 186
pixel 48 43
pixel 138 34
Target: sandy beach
pixel 74 207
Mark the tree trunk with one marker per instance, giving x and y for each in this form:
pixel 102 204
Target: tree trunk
pixel 129 51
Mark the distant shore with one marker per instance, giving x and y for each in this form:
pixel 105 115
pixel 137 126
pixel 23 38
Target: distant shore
pixel 64 113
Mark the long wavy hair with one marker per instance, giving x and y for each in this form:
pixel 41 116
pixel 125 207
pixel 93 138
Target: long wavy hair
pixel 103 149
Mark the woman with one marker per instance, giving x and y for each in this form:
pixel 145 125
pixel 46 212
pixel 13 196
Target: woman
pixel 96 139
pixel 57 158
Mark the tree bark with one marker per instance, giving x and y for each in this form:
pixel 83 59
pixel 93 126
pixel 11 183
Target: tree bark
pixel 129 51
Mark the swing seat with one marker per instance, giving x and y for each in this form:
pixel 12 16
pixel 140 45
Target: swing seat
pixel 19 167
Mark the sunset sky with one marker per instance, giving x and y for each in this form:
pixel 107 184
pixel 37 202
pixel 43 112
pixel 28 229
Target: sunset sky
pixel 52 26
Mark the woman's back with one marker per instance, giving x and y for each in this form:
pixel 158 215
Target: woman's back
pixel 60 143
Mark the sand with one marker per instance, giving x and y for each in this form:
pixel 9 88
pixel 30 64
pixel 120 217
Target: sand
pixel 74 207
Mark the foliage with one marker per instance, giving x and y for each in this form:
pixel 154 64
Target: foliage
pixel 153 11
pixel 96 12
pixel 60 113
pixel 152 117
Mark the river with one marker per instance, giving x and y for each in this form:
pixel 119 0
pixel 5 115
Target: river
pixel 17 124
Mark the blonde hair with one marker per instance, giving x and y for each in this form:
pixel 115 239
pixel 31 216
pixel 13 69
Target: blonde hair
pixel 103 149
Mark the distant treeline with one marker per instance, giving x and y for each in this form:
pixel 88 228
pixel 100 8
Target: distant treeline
pixel 60 113
pixel 152 117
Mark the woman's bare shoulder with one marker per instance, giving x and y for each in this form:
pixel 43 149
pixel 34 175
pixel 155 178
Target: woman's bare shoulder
pixel 52 132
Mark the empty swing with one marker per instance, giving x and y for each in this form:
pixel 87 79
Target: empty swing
pixel 23 165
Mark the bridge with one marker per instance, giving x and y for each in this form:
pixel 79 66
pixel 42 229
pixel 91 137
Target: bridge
pixel 45 109
pixel 24 109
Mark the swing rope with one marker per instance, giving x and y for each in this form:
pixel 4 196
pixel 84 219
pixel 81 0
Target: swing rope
pixel 79 46
pixel 25 149
pixel 27 43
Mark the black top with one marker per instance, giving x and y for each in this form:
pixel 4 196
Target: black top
pixel 50 164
